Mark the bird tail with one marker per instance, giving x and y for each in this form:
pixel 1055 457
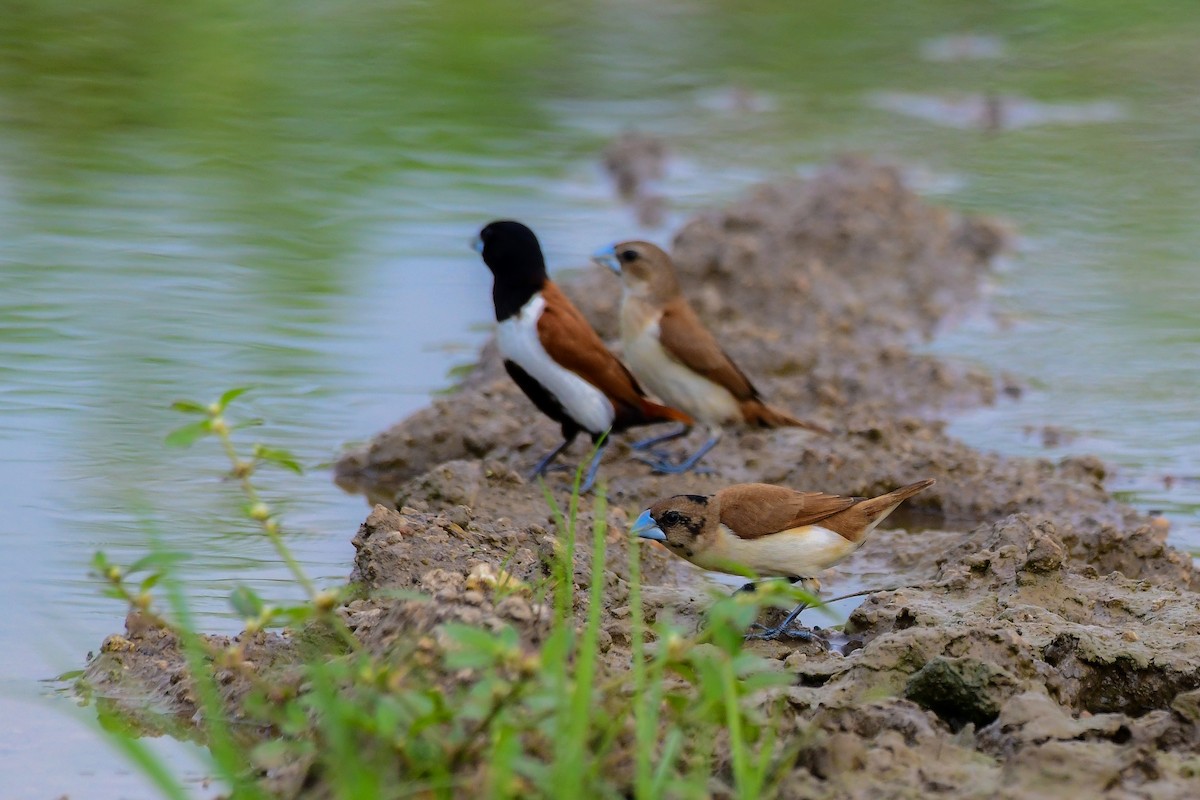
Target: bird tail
pixel 653 412
pixel 861 518
pixel 756 412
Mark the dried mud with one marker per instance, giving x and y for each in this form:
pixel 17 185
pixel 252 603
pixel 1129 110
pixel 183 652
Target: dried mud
pixel 1040 639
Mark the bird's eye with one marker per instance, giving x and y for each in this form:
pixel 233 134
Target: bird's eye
pixel 671 518
pixel 628 255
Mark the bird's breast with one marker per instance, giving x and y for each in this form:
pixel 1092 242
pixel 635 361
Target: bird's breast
pixel 518 341
pixel 674 383
pixel 796 552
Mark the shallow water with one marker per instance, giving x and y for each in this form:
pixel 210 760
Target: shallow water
pixel 207 195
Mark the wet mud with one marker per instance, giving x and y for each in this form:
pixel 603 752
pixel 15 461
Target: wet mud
pixel 1032 638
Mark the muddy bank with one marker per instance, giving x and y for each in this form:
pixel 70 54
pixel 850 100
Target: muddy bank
pixel 1042 638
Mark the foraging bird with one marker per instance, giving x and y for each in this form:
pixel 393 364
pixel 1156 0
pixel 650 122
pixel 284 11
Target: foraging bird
pixel 553 354
pixel 768 530
pixel 670 351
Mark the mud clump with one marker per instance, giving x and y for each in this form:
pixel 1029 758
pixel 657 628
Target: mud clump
pixel 1039 639
pixel 1010 656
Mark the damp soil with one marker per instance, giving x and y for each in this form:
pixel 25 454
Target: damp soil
pixel 1032 637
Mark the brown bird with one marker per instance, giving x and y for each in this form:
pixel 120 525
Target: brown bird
pixel 670 351
pixel 553 354
pixel 768 530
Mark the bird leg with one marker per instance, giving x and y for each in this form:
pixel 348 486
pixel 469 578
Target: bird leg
pixel 645 444
pixel 689 463
pixel 544 464
pixel 783 627
pixel 590 478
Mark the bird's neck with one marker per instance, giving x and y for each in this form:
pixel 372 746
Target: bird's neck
pixel 510 296
pixel 637 314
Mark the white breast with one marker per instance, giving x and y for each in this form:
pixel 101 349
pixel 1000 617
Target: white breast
pixel 672 382
pixel 799 552
pixel 517 338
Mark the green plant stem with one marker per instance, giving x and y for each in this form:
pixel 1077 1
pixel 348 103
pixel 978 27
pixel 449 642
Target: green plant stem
pixel 243 470
pixel 585 669
pixel 733 720
pixel 645 717
pixel 472 737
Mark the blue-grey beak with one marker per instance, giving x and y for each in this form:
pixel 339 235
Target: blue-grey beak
pixel 645 527
pixel 477 244
pixel 607 257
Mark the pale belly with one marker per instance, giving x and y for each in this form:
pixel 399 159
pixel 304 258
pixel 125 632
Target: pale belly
pixel 675 384
pixel 517 339
pixel 799 552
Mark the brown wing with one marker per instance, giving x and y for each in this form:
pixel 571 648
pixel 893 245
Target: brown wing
pixel 570 340
pixel 752 510
pixel 684 338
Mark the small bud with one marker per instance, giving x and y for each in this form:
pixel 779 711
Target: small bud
pixel 219 426
pixel 260 512
pixel 142 601
pixel 325 600
pixel 676 647
pixel 214 409
pixel 271 526
pixel 113 574
pixel 253 626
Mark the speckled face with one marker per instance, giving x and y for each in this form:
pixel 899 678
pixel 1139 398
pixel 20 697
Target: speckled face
pixel 684 520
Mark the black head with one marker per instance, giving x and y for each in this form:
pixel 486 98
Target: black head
pixel 512 253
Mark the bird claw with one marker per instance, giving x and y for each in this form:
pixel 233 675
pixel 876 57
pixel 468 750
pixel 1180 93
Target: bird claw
pixel 664 467
pixel 549 468
pixel 770 634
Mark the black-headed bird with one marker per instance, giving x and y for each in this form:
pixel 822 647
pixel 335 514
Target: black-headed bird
pixel 675 356
pixel 770 531
pixel 553 354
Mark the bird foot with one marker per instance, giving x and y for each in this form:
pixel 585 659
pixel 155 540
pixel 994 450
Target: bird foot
pixel 664 467
pixel 785 631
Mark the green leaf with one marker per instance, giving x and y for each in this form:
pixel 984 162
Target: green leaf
pixel 231 395
pixel 183 437
pixel 249 423
pixel 474 647
pixel 246 603
pixel 159 560
pixel 190 407
pixel 100 563
pixel 150 581
pixel 290 615
pixel 279 457
pixel 273 754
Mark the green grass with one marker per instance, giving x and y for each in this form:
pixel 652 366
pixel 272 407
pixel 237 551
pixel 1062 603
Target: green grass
pixel 482 712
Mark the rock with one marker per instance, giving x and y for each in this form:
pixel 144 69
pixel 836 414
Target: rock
pixel 960 690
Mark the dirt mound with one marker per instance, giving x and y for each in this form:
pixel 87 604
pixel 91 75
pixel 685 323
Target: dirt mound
pixel 1010 676
pixel 1041 639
